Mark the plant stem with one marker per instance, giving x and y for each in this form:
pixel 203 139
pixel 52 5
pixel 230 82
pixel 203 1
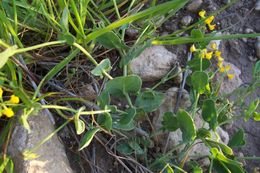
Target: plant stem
pixel 22 50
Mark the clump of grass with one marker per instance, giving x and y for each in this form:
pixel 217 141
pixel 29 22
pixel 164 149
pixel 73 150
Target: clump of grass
pixel 82 30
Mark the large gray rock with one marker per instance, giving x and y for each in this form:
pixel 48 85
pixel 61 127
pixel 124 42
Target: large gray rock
pixel 52 157
pixel 153 63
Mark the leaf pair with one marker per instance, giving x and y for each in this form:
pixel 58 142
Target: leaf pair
pixel 182 120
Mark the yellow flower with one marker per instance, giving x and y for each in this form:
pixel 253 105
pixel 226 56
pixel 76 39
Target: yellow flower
pixel 220 64
pixel 1 92
pixel 209 55
pixel 14 99
pixel 220 59
pixel 193 48
pixel 209 20
pixel 8 112
pixel 230 76
pixel 202 13
pixel 218 54
pixel 222 69
pixel 211 27
pixel 213 45
pixel 228 67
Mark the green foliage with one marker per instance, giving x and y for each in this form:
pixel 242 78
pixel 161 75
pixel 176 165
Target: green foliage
pixel 149 100
pixel 238 139
pixel 104 65
pixel 186 125
pixel 120 86
pixel 199 81
pixel 95 28
pixel 87 138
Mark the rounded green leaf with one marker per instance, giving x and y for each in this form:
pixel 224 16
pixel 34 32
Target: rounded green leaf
pixel 149 100
pixel 105 121
pixel 238 139
pixel 186 125
pixel 87 138
pixel 194 64
pixel 103 66
pixel 170 122
pixel 127 117
pixel 208 110
pixel 125 84
pixel 199 81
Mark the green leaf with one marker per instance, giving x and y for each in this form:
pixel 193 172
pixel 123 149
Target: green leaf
pixel 196 33
pixel 194 64
pixel 119 86
pixel 133 53
pixel 169 169
pixel 199 81
pixel 87 138
pixel 125 149
pixel 256 116
pixel 105 121
pixel 219 167
pixel 231 165
pixel 128 116
pixel 149 100
pixel 68 37
pixel 208 110
pixel 226 149
pixel 203 133
pixel 79 124
pixel 103 99
pixel 209 113
pixel 251 109
pixel 127 127
pixel 104 65
pixel 136 147
pixel 238 139
pixel 110 40
pixel 256 70
pixel 6 54
pixel 197 170
pixel 170 122
pixel 186 125
pixel 65 20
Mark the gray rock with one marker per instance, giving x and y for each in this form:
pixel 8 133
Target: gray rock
pixel 257 47
pixel 186 20
pixel 228 86
pixel 257 6
pixel 153 63
pixel 52 157
pixel 194 5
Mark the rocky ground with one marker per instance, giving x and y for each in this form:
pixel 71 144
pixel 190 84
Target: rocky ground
pixel 241 53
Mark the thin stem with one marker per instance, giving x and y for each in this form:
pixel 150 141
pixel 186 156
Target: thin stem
pixel 91 59
pixel 22 50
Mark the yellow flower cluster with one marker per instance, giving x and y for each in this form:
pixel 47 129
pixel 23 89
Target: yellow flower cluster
pixel 208 20
pixel 7 111
pixel 204 53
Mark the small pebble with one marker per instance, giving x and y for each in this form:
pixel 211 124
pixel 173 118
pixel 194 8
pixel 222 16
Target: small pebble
pixel 194 5
pixel 186 20
pixel 249 30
